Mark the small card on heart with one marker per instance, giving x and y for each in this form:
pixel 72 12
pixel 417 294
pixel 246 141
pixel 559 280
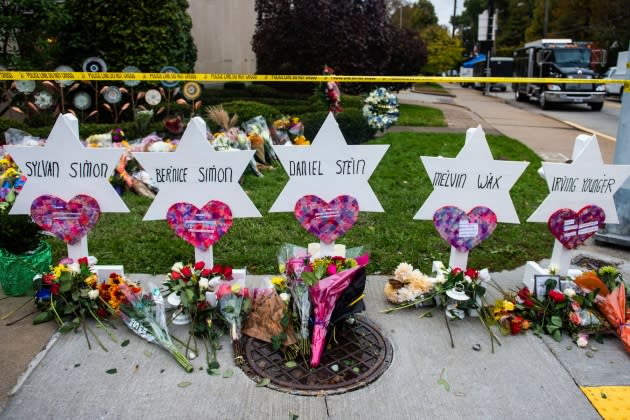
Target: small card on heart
pixel 572 229
pixel 200 227
pixel 67 220
pixel 327 220
pixel 462 230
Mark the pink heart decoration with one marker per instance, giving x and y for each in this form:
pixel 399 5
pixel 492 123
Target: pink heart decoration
pixel 462 230
pixel 69 221
pixel 327 221
pixel 200 227
pixel 572 229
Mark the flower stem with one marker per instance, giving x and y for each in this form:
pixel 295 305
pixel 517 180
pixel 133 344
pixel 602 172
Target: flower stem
pixel 85 333
pixel 448 327
pixel 96 338
pixel 7 315
pixel 407 305
pixel 103 326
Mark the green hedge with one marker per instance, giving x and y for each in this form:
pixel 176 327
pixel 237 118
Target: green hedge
pixel 247 110
pixel 351 122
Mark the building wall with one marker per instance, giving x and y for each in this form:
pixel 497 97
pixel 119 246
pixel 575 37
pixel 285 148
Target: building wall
pixel 223 30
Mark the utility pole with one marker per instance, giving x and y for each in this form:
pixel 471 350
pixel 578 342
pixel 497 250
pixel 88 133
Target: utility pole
pixel 490 43
pixel 453 20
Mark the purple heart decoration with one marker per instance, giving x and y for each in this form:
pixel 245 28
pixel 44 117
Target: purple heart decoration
pixel 462 230
pixel 327 221
pixel 69 221
pixel 200 227
pixel 572 229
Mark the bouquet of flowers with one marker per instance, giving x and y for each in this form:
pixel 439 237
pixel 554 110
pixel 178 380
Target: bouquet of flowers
pixel 315 285
pixel 380 108
pixel 333 93
pixel 137 312
pixel 70 293
pixel 11 181
pixel 234 303
pixel 187 287
pixel 290 129
pixel 257 127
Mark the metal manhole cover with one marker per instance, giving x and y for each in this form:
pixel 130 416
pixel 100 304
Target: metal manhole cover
pixel 359 355
pixel 591 263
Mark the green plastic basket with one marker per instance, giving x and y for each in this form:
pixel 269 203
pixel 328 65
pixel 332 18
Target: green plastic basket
pixel 17 271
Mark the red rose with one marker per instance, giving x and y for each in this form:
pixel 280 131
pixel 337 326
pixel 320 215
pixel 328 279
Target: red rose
pixel 48 278
pixel 206 272
pixel 199 265
pixel 528 303
pixel 524 293
pixel 245 292
pixel 472 273
pixel 217 269
pixel 83 261
pixel 227 272
pixel 186 271
pixel 516 324
pixel 202 305
pixel 175 275
pixel 556 296
pixel 455 271
pixel 54 288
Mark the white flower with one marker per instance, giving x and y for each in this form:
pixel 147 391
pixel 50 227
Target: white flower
pixel 467 279
pixel 439 278
pixel 582 341
pixel 285 297
pixel 93 294
pixel 568 292
pixel 203 283
pixel 403 271
pixel 177 266
pixel 484 275
pixel 74 267
pixel 553 269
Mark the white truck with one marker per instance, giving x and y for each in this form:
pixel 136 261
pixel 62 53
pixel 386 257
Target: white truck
pixel 620 72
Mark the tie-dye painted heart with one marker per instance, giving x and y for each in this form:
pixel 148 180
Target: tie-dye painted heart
pixel 464 231
pixel 200 227
pixel 327 221
pixel 69 221
pixel 572 229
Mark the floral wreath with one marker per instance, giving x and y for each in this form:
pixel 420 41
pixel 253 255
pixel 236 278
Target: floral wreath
pixel 380 108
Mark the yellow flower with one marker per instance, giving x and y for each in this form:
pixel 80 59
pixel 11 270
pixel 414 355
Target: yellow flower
pixel 508 306
pixel 91 280
pixel 279 281
pixel 301 141
pixel 59 270
pixel 10 173
pixel 281 267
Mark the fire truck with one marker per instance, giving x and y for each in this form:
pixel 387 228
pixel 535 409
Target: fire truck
pixel 562 59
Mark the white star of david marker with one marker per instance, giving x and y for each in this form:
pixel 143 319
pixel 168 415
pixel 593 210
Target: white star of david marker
pixel 195 173
pixel 329 167
pixel 585 181
pixel 65 168
pixel 472 179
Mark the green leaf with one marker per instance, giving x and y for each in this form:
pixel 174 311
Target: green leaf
pixel 309 278
pixel 556 335
pixel 356 370
pixel 65 286
pixel 556 320
pixel 148 354
pixel 42 317
pixel 263 382
pixel 66 328
pixel 214 365
pixel 124 343
pixel 77 365
pixel 290 364
pixel 184 384
pixel 445 384
pixel 293 416
pixel 228 373
pixel 213 372
pixel 112 371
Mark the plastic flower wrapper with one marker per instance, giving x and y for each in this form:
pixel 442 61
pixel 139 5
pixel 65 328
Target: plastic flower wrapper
pixel 301 301
pixel 258 125
pixel 138 314
pixel 324 295
pixel 234 302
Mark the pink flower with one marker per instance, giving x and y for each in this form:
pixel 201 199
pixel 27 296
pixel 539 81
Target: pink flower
pixel 574 317
pixel 331 269
pixel 363 259
pixel 224 289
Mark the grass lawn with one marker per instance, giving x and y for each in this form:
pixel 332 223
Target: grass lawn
pixel 420 116
pixel 400 183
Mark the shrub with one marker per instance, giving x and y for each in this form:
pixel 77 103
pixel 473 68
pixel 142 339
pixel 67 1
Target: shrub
pixel 351 122
pixel 247 110
pixel 18 233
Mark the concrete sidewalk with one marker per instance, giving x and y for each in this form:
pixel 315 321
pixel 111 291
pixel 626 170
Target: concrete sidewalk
pixel 527 377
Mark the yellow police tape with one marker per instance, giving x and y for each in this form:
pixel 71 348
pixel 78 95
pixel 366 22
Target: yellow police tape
pixel 224 77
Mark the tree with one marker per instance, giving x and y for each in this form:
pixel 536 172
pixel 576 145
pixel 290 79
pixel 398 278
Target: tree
pixel 27 33
pixel 352 36
pixel 142 33
pixel 444 52
pixel 415 16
